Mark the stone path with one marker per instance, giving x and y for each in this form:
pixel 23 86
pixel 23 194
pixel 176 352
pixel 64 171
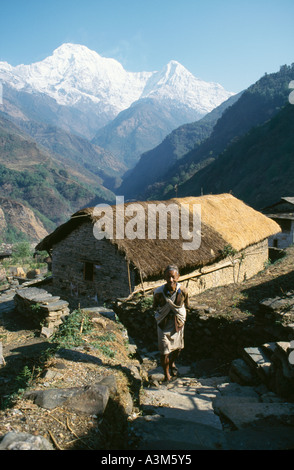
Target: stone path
pixel 7 303
pixel 205 412
pixel 211 413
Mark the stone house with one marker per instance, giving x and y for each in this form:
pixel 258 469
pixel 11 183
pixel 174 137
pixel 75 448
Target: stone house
pixel 282 212
pixel 233 246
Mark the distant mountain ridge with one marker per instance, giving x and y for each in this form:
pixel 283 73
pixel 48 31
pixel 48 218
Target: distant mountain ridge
pixel 258 104
pixel 141 128
pixel 154 164
pixel 258 168
pixel 75 124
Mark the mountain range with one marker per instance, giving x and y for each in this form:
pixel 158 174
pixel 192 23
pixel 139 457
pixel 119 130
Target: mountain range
pixel 79 83
pixel 80 119
pixel 156 163
pixel 76 129
pixel 197 171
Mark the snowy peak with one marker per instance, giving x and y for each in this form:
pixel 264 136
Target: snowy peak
pixel 174 68
pixel 176 83
pixel 72 73
pixel 75 75
pixel 71 59
pixel 168 76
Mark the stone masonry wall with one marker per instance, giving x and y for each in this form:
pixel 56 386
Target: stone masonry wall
pixel 40 307
pixel 283 239
pixel 110 272
pixel 247 263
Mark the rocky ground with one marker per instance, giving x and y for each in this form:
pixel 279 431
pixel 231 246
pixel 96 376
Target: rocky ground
pixel 223 320
pixel 30 365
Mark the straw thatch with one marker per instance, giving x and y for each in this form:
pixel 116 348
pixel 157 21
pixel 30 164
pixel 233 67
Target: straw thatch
pixel 224 221
pixel 235 221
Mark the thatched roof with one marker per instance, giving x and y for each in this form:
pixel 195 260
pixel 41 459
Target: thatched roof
pixel 225 220
pixel 235 221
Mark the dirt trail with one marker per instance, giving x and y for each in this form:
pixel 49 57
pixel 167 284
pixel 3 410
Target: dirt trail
pixel 161 410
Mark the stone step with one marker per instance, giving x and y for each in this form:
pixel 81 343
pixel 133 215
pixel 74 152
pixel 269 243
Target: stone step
pixel 256 357
pixel 54 306
pixel 106 312
pixel 156 433
pixel 220 403
pixel 178 400
pixel 232 389
pixel 30 293
pixel 243 414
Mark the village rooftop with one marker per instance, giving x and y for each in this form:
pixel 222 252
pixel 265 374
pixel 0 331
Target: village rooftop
pixel 185 222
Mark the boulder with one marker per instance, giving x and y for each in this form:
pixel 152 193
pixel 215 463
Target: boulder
pixel 33 273
pixel 241 373
pixel 24 441
pixel 50 399
pixel 90 399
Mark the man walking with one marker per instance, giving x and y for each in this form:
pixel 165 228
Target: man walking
pixel 170 302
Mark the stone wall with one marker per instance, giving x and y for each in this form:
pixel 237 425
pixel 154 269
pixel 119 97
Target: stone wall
pixel 40 307
pixel 245 265
pixel 110 270
pixel 207 334
pixel 271 363
pixel 256 350
pixel 285 238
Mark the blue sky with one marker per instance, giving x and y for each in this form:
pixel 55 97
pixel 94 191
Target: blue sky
pixel 230 42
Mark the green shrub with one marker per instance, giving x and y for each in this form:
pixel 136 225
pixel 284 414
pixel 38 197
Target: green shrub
pixel 70 333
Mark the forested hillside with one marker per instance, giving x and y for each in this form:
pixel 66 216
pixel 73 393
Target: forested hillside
pixel 258 104
pixel 32 176
pixel 258 169
pixel 155 163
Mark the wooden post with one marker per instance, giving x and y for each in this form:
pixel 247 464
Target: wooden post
pixel 2 360
pixel 141 277
pixel 142 283
pixel 129 276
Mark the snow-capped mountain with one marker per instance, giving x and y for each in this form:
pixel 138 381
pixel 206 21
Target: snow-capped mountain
pixel 75 75
pixel 82 93
pixel 176 83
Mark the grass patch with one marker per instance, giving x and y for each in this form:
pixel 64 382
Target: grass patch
pixel 78 329
pixel 70 333
pixel 23 381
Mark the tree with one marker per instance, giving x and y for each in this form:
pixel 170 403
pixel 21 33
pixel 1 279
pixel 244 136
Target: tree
pixel 21 251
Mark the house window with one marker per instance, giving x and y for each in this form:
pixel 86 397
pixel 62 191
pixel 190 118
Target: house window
pixel 88 271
